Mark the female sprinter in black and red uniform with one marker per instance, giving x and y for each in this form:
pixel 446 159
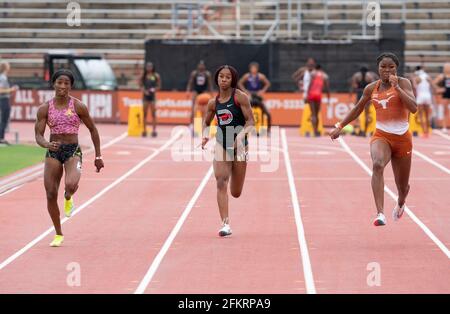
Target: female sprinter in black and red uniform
pixel 235 120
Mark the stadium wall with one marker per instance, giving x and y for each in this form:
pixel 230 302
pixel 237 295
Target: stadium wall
pixel 174 60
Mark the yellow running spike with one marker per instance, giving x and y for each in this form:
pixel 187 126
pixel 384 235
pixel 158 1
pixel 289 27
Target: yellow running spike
pixel 57 241
pixel 68 207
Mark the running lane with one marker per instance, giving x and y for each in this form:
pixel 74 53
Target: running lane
pixel 262 255
pixel 348 253
pixel 428 197
pixel 112 240
pixel 23 212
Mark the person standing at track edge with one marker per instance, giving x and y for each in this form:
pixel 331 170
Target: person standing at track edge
pixel 319 80
pixel 199 82
pixel 150 84
pixel 5 107
pixel 235 120
pixel 63 114
pixel 256 84
pixel 393 99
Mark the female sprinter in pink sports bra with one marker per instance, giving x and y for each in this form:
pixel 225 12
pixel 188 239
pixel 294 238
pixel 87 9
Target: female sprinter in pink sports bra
pixel 63 115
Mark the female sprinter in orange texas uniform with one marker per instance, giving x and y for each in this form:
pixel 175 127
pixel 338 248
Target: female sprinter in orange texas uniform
pixel 235 120
pixel 63 115
pixel 393 99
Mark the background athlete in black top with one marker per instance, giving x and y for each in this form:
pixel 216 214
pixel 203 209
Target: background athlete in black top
pixel 200 81
pixel 233 111
pixel 150 83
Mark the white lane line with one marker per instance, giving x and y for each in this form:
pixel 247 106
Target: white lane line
pixel 318 179
pixel 307 270
pixel 395 197
pixel 91 200
pixel 441 134
pixel 10 190
pixel 431 161
pixel 20 174
pixel 162 252
pixel 39 169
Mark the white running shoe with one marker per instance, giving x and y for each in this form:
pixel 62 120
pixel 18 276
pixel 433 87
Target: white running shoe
pixel 225 230
pixel 380 220
pixel 397 212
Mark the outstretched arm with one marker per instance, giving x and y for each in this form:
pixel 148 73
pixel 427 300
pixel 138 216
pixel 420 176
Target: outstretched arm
pixel 84 115
pixel 355 112
pixel 210 111
pixel 246 108
pixel 39 128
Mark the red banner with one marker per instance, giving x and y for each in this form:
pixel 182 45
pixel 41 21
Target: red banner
pixel 102 105
pixel 175 107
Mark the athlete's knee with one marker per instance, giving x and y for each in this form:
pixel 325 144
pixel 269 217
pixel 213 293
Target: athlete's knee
pixel 378 166
pixel 71 187
pixel 222 183
pixel 52 194
pixel 236 193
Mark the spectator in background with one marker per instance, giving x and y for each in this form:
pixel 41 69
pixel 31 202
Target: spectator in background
pixel 443 80
pixel 359 81
pixel 303 76
pixel 5 107
pixel 319 83
pixel 255 84
pixel 424 98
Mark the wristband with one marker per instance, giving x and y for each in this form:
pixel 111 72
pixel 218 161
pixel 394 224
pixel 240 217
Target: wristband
pixel 98 157
pixel 338 126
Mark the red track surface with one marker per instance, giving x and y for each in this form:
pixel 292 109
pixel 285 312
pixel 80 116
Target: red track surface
pixel 117 237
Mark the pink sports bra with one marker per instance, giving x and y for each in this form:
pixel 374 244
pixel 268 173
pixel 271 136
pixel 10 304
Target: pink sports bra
pixel 63 121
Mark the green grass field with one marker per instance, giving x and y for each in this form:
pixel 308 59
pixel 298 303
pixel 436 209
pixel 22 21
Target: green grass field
pixel 16 157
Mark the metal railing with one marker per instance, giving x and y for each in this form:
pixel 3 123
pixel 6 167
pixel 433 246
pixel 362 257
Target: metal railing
pixel 258 20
